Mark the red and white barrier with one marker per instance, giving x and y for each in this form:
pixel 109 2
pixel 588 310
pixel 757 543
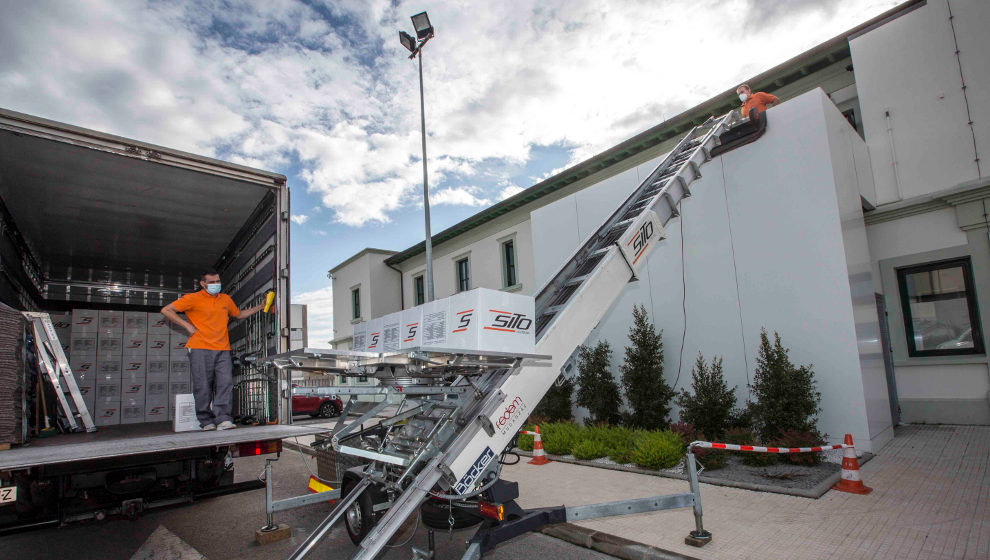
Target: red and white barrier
pixel 758 449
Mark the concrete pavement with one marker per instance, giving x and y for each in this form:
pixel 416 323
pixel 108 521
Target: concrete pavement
pixel 931 500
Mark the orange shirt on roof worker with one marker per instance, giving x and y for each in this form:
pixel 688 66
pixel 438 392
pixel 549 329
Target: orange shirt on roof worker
pixel 209 314
pixel 758 100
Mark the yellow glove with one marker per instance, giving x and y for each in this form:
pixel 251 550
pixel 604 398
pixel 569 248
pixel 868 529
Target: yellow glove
pixel 269 300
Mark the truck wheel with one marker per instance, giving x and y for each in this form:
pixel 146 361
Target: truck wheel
pixel 359 518
pixel 328 410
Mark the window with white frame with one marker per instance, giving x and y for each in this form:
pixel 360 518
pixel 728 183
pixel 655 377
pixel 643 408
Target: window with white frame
pixel 509 276
pixel 419 289
pixel 940 310
pixel 356 303
pixel 463 268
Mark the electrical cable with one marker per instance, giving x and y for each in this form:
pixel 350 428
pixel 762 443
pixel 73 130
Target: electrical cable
pixel 306 463
pixel 680 357
pixel 735 276
pixel 419 517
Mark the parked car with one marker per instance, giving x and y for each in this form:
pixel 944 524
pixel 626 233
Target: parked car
pixel 316 406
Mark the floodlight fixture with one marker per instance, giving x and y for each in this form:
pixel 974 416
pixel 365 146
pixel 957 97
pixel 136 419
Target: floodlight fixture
pixel 407 41
pixel 421 22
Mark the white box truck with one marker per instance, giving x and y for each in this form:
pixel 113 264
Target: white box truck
pixel 105 225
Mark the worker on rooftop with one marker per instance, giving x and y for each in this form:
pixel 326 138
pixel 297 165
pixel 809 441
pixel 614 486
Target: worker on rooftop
pixel 759 100
pixel 208 348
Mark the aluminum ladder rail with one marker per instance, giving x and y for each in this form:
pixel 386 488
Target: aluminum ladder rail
pixel 59 373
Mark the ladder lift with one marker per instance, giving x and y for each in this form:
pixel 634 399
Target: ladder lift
pixel 458 411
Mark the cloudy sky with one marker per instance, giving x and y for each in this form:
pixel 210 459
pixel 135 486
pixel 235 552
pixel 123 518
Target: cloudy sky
pixel 322 91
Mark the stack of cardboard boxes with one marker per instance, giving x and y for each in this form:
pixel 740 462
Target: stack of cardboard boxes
pixel 128 365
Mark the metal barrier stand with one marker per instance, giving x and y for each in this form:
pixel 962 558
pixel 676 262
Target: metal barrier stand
pixel 272 506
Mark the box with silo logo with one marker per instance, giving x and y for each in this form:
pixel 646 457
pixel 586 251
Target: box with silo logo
pixel 136 321
pixel 82 364
pixel 391 331
pixel 158 324
pixel 108 368
pixel 411 331
pixel 111 320
pixel 491 320
pixel 110 341
pixel 85 321
pixel 86 382
pixel 179 370
pixel 359 338
pixel 156 407
pixel 159 344
pixel 135 343
pixel 157 368
pixel 435 323
pixel 107 389
pixel 132 412
pixel 156 388
pixel 135 366
pixel 63 330
pixel 83 344
pixel 374 336
pixel 133 388
pixel 106 411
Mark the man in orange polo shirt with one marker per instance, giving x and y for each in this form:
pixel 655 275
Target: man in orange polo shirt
pixel 759 100
pixel 208 311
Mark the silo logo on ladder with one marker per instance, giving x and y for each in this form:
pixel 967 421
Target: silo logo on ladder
pixel 641 239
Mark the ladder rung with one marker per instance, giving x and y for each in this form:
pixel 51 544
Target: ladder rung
pixel 577 280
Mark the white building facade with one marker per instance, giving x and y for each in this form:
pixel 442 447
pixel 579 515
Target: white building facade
pixel 862 240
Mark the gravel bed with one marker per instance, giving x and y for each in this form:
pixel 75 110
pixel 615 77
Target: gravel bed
pixel 783 475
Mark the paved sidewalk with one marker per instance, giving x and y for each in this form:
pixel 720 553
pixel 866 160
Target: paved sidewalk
pixel 930 500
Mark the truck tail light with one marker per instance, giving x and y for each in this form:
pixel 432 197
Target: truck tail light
pixel 252 448
pixel 491 511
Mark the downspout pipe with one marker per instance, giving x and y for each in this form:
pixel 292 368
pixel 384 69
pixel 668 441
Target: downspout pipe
pixel 402 290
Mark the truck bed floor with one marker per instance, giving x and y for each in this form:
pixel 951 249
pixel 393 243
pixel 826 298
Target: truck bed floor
pixel 136 439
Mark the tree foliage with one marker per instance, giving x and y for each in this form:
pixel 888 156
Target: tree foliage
pixel 556 404
pixel 710 408
pixel 597 389
pixel 785 396
pixel 648 394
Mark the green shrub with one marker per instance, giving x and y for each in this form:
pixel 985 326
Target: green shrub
pixel 648 394
pixel 588 449
pixel 658 450
pixel 622 443
pixel 795 438
pixel 556 404
pixel 597 389
pixel 559 438
pixel 745 436
pixel 785 395
pixel 710 409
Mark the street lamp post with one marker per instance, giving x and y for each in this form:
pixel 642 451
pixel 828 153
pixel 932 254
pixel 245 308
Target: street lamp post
pixel 424 32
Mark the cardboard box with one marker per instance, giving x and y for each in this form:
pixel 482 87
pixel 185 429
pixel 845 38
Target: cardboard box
pixel 391 325
pixel 179 387
pixel 110 341
pixel 179 356
pixel 136 321
pixel 85 321
pixel 184 419
pixel 178 334
pixel 132 389
pixel 62 321
pixel 135 343
pixel 107 390
pixel 374 337
pixel 177 345
pixel 134 366
pixel 132 412
pixel 83 344
pixel 157 368
pixel 158 344
pixel 156 408
pixel 158 324
pixel 411 333
pixel 107 412
pixel 179 370
pixel 86 382
pixel 82 365
pixel 359 338
pixel 156 389
pixel 434 323
pixel 107 367
pixel 111 320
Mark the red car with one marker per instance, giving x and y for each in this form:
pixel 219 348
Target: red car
pixel 324 407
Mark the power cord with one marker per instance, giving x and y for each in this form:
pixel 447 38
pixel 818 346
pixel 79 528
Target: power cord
pixel 680 357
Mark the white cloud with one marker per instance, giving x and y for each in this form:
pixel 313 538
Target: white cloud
pixel 278 87
pixel 299 218
pixel 509 191
pixel 459 196
pixel 319 315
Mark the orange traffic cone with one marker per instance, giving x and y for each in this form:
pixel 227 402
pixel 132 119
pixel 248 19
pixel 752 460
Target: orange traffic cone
pixel 539 456
pixel 850 481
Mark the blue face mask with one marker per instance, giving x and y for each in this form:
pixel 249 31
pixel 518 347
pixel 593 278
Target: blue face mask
pixel 213 289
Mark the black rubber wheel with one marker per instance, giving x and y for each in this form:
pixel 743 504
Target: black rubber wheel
pixel 328 410
pixel 436 515
pixel 359 518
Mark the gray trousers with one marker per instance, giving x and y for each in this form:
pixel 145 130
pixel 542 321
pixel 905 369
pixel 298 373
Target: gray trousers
pixel 211 382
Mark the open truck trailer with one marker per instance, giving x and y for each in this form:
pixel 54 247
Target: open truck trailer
pixel 95 221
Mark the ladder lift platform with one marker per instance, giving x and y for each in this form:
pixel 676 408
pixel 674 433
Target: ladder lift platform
pixel 459 412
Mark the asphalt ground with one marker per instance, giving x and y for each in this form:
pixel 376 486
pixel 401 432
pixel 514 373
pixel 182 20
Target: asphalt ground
pixel 223 527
